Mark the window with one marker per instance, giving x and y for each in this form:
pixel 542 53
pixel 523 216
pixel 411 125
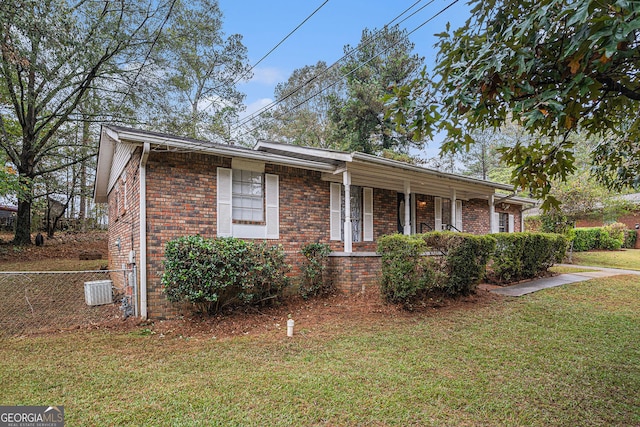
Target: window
pixel 503 222
pixel 247 196
pixel 248 204
pixel 361 202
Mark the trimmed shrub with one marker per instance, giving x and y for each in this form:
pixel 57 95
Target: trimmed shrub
pixel 213 273
pixel 406 273
pixel 630 238
pixel 525 255
pixel 610 237
pixel 465 258
pixel 313 280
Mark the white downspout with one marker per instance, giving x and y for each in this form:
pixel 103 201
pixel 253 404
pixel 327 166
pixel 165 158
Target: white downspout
pixel 143 229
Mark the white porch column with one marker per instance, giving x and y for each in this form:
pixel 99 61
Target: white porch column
pixel 407 208
pixel 492 216
pixel 453 207
pixel 348 239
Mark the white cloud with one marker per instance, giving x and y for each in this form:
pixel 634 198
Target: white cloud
pixel 268 76
pixel 255 106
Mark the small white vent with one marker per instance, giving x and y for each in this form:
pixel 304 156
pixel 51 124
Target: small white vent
pixel 98 292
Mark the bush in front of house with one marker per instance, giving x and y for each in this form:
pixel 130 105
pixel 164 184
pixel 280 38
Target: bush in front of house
pixel 214 273
pixel 610 237
pixel 407 275
pixel 630 238
pixel 413 267
pixel 520 256
pixel 464 261
pixel 314 282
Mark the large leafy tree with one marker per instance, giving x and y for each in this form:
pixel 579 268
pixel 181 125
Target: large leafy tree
pixel 303 102
pixel 198 69
pixel 382 59
pixel 53 53
pixel 556 67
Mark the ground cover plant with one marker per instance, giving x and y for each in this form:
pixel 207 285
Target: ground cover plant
pixel 564 357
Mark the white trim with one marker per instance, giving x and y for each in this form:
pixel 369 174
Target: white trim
pixel 224 226
pixel 437 207
pixel 458 223
pixel 348 238
pixel 367 214
pixel 407 208
pixel 143 230
pixel 512 224
pixel 335 212
pixel 272 206
pixel 493 221
pixel 247 165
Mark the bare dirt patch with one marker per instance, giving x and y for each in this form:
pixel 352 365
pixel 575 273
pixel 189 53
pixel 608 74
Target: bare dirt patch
pixel 64 245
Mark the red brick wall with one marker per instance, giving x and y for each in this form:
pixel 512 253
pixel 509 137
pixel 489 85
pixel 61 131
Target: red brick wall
pixel 630 220
pixel 353 273
pixel 182 200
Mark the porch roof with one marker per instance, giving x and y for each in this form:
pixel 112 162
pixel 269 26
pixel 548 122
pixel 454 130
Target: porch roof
pixel 378 172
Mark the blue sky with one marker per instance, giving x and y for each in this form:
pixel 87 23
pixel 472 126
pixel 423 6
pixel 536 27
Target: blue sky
pixel 339 22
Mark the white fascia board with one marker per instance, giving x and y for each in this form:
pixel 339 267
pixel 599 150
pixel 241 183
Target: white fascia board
pixel 267 146
pixel 103 168
pixel 226 151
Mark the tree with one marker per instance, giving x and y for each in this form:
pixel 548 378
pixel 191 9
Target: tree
pixel 556 67
pixel 53 53
pixel 302 113
pixel 198 69
pixel 382 59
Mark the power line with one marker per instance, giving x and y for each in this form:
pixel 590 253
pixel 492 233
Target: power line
pixel 260 112
pixel 280 42
pixel 348 54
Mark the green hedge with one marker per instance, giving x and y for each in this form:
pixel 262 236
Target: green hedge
pixel 408 275
pixel 213 273
pixel 610 237
pixel 465 258
pixel 630 238
pixel 526 255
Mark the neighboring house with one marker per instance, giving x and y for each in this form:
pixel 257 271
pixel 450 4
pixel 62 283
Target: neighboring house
pixel 159 187
pixel 7 217
pixel 631 218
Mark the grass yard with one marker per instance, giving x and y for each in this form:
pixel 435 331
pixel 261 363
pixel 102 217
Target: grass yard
pixel 628 259
pixel 566 356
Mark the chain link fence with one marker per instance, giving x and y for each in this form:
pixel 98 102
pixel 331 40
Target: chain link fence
pixel 39 302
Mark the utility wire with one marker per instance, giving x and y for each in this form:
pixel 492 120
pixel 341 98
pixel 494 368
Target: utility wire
pixel 352 71
pixel 280 42
pixel 367 42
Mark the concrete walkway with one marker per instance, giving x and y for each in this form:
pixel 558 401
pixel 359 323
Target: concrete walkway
pixel 561 279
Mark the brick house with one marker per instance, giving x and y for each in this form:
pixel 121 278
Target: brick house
pixel 159 187
pixel 631 218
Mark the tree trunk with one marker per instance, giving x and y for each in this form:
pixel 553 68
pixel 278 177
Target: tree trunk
pixel 23 223
pixel 82 212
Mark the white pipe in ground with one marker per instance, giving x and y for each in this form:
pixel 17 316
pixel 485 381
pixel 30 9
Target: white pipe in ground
pixel 290 324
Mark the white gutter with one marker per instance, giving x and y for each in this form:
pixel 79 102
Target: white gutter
pixel 143 229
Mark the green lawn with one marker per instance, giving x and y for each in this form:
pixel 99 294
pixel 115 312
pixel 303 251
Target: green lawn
pixel 566 356
pixel 628 259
